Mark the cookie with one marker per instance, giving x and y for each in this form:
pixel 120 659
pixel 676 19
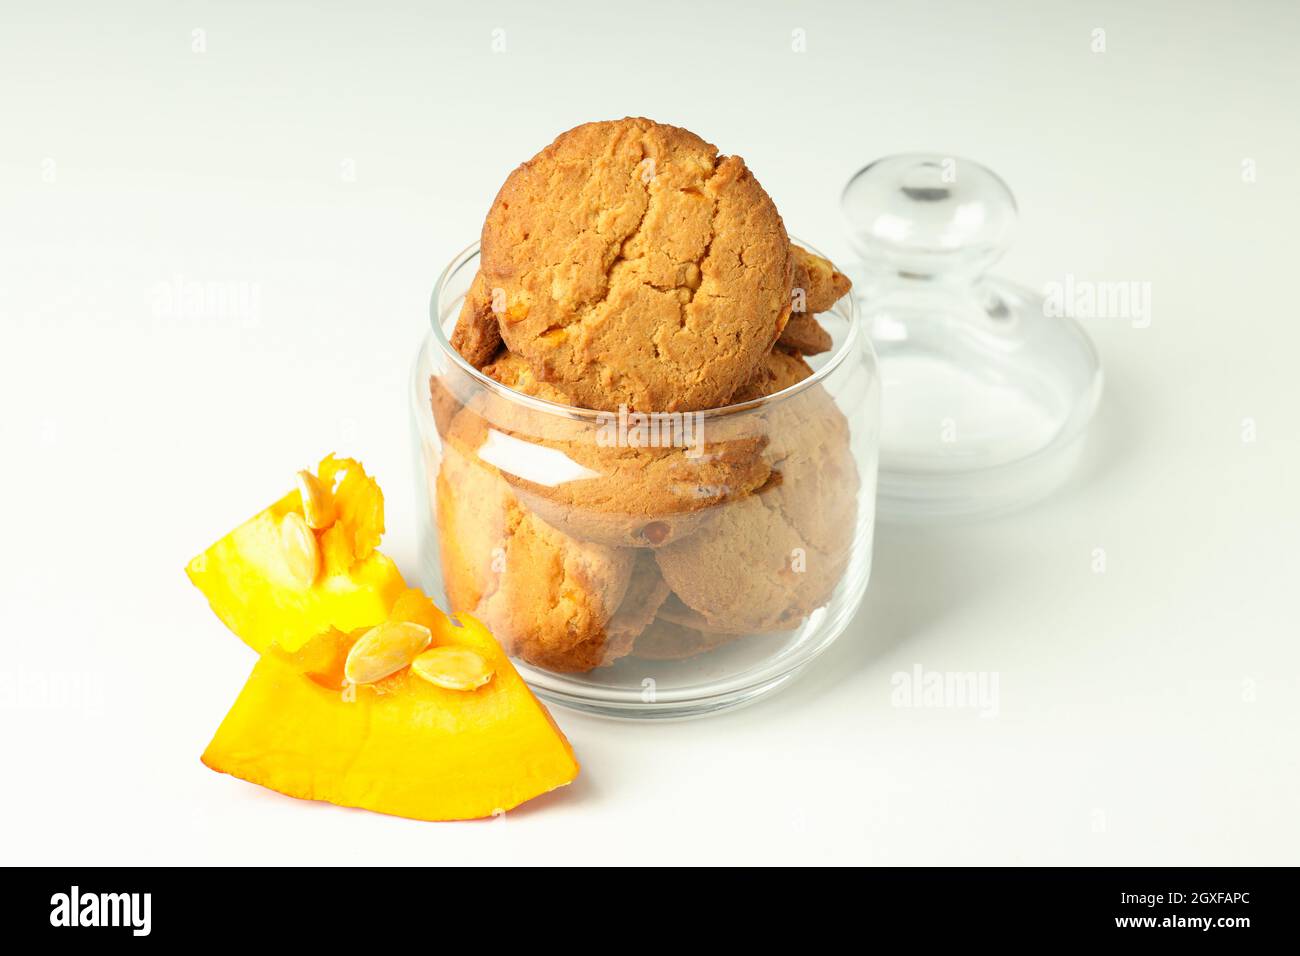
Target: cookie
pixel 781 369
pixel 638 267
pixel 476 335
pixel 646 593
pixel 666 641
pixel 823 285
pixel 818 285
pixel 636 481
pixel 556 599
pixel 767 560
pixel 443 402
pixel 740 573
pixel 805 334
pixel 675 612
pixel 516 372
pixel 549 599
pixel 476 515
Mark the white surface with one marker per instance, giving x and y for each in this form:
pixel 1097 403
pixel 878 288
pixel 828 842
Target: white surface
pixel 1146 714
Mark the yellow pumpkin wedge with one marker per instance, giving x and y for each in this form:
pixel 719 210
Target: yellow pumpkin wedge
pixel 401 745
pixel 279 578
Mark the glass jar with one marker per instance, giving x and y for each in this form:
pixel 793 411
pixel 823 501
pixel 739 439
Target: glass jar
pixel 648 565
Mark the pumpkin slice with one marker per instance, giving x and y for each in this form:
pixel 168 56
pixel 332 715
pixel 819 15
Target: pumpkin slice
pixel 402 745
pixel 263 585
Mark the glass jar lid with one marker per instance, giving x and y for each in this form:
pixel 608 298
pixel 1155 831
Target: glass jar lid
pixel 987 393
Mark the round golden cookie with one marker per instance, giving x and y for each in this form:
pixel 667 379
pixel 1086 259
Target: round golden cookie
pixel 551 600
pixel 768 559
pixel 637 267
pixel 628 481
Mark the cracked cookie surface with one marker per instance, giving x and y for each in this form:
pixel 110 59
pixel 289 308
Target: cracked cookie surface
pixel 637 267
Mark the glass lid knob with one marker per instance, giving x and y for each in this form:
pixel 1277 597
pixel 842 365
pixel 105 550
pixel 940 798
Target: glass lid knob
pixel 928 216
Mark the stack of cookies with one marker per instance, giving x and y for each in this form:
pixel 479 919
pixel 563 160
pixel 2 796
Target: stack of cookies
pixel 632 282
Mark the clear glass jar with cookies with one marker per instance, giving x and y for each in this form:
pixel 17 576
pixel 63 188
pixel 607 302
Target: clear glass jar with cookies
pixel 648 564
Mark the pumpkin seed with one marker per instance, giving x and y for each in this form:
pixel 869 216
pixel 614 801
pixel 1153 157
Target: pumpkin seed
pixel 455 668
pixel 301 552
pixel 317 504
pixel 385 650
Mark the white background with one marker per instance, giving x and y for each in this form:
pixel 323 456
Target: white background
pixel 1146 714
